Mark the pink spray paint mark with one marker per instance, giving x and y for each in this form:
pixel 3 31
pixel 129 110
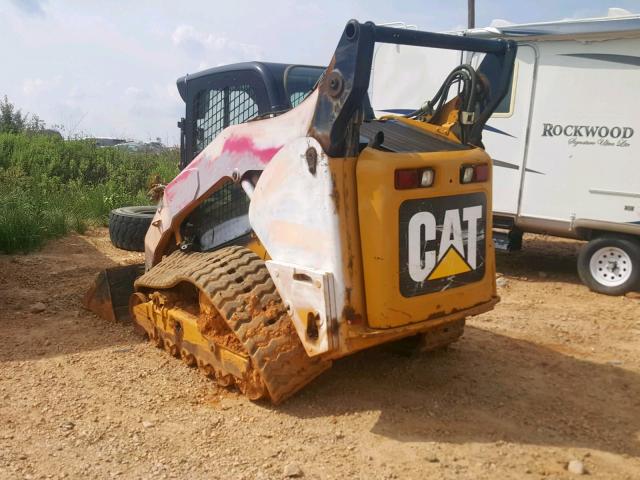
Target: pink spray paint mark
pixel 232 146
pixel 169 191
pixel 246 145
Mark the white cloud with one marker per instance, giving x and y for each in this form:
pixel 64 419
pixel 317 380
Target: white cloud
pixel 30 7
pixel 199 43
pixel 37 86
pixel 77 93
pixel 172 92
pixel 98 67
pixel 136 93
pixel 32 86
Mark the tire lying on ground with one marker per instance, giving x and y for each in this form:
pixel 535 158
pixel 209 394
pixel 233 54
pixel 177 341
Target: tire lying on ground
pixel 129 225
pixel 610 264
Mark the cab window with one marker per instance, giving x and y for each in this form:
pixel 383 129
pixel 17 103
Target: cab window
pixel 299 81
pixel 215 109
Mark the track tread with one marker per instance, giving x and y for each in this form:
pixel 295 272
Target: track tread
pixel 271 343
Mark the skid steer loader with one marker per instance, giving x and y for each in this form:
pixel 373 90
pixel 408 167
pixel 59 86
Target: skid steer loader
pixel 309 233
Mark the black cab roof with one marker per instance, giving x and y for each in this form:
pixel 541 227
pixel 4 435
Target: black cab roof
pixel 272 76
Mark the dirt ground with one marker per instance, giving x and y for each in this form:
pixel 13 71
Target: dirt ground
pixel 551 375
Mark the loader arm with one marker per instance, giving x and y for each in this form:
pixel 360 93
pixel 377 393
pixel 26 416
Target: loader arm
pixel 344 86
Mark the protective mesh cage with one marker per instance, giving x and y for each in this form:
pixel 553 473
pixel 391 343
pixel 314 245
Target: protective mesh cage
pixel 242 106
pixel 227 203
pixel 209 117
pixel 216 109
pixel 296 97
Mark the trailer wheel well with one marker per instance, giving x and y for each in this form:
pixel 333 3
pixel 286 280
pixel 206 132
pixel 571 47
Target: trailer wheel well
pixel 590 234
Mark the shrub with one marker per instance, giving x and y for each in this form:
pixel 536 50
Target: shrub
pixel 50 186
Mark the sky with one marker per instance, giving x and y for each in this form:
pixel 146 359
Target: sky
pixel 108 68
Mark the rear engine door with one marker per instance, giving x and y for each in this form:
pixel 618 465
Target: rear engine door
pixel 424 250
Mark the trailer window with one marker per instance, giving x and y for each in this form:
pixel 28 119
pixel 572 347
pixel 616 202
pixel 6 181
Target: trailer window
pixel 299 81
pixel 506 104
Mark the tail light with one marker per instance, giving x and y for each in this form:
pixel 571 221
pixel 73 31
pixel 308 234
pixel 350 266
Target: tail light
pixel 474 173
pixel 414 178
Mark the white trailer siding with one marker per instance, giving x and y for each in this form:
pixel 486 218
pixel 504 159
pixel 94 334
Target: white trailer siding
pixel 505 135
pixel 585 172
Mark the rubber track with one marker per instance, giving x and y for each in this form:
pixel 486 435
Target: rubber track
pixel 238 284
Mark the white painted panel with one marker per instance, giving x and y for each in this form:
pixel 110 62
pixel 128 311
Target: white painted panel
pixel 293 213
pixel 307 292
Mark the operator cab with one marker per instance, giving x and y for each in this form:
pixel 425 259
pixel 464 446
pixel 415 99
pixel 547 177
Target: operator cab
pixel 234 94
pixel 223 96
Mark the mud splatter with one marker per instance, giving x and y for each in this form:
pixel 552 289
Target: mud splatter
pixel 214 328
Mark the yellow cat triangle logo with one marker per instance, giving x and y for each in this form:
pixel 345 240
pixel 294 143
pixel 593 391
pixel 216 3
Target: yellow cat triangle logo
pixel 451 264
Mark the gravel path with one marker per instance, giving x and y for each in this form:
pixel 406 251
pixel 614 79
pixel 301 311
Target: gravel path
pixel 546 385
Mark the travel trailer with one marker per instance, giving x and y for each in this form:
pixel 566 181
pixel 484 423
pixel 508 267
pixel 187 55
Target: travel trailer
pixel 565 141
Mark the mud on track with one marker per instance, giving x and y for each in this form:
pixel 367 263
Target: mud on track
pixel 553 374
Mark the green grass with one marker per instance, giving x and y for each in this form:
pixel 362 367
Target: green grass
pixel 49 187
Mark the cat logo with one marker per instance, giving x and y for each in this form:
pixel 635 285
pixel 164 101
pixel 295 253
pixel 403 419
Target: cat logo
pixel 442 243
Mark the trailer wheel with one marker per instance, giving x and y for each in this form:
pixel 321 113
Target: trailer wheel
pixel 129 225
pixel 610 265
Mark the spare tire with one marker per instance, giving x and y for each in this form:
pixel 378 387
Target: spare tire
pixel 129 225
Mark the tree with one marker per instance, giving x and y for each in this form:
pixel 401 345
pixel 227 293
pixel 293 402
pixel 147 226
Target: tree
pixel 11 120
pixel 34 124
pixel 14 121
